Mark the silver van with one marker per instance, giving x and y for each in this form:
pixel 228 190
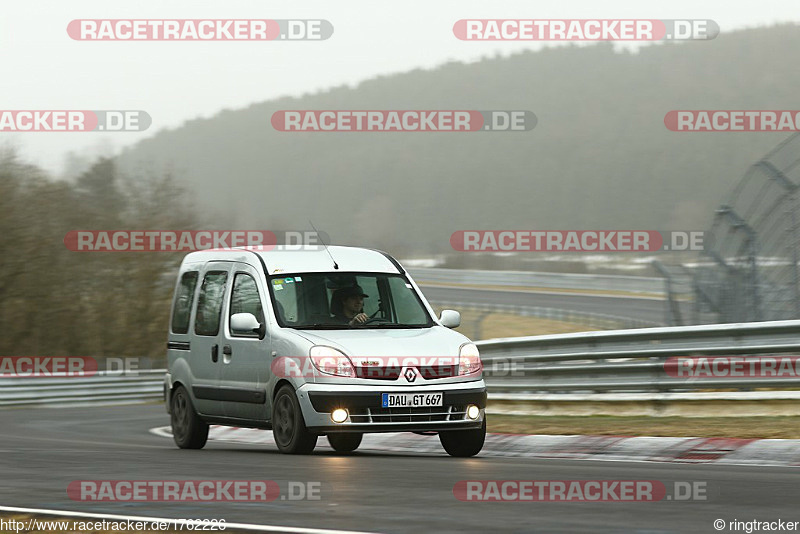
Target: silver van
pixel 313 340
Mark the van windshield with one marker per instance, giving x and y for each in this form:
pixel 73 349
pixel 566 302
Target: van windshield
pixel 338 300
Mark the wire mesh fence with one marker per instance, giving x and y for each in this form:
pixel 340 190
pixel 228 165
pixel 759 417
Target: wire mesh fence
pixel 748 270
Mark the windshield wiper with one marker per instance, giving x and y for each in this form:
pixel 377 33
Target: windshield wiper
pixel 321 326
pixel 334 326
pixel 395 325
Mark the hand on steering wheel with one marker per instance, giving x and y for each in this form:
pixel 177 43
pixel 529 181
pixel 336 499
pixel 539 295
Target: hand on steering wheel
pixel 359 319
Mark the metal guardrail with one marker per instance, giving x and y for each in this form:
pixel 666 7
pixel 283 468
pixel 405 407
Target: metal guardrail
pixel 100 388
pixel 621 362
pixel 596 282
pixel 632 360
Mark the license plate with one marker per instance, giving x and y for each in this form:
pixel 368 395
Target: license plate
pixel 411 400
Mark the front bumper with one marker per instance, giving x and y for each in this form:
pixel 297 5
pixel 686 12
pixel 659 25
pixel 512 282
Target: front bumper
pixel 363 404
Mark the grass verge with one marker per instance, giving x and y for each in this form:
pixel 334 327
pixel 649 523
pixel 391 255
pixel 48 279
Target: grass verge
pixel 481 325
pixel 566 291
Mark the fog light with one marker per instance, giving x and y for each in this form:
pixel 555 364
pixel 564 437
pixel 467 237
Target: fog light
pixel 339 415
pixel 473 412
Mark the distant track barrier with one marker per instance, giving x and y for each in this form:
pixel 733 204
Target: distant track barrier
pixel 599 321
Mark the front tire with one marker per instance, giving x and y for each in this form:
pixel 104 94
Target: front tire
pixel 464 443
pixel 188 430
pixel 288 426
pixel 346 441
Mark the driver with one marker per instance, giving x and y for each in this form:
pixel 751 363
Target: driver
pixel 347 305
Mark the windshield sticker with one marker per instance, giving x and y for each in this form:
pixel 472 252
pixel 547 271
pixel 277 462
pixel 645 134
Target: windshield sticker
pixel 298 279
pixel 289 281
pixel 278 286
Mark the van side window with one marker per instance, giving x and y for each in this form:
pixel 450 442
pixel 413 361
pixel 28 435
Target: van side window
pixel 209 304
pixel 245 299
pixel 182 307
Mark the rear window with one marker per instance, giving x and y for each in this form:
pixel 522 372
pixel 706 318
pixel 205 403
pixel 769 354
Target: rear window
pixel 182 307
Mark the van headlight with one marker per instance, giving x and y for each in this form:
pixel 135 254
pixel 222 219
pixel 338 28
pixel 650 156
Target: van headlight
pixel 331 361
pixel 469 360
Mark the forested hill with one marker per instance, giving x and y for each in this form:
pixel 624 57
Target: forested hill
pixel 600 156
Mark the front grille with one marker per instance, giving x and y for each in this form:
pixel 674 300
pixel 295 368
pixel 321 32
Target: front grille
pixel 408 415
pixel 428 372
pixel 378 373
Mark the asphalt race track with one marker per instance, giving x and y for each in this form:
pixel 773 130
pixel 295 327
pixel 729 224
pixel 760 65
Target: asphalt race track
pixel 644 309
pixel 44 449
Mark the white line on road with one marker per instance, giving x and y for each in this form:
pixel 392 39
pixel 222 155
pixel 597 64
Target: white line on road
pixel 680 450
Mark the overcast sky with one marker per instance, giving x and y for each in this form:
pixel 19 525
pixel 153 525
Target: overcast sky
pixel 42 68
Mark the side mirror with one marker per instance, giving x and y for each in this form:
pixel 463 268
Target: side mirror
pixel 450 318
pixel 247 323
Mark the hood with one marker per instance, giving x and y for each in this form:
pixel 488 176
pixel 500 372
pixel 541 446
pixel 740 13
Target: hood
pixel 435 341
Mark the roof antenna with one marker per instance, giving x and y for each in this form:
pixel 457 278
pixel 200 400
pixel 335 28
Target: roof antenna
pixel 335 265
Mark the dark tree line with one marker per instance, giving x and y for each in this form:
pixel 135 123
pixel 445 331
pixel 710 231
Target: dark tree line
pixel 57 302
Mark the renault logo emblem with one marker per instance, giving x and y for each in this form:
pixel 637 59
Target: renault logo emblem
pixel 410 374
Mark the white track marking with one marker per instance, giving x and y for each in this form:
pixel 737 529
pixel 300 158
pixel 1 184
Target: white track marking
pixel 663 450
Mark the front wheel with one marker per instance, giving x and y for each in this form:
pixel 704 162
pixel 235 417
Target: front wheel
pixel 288 426
pixel 464 443
pixel 346 441
pixel 188 430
